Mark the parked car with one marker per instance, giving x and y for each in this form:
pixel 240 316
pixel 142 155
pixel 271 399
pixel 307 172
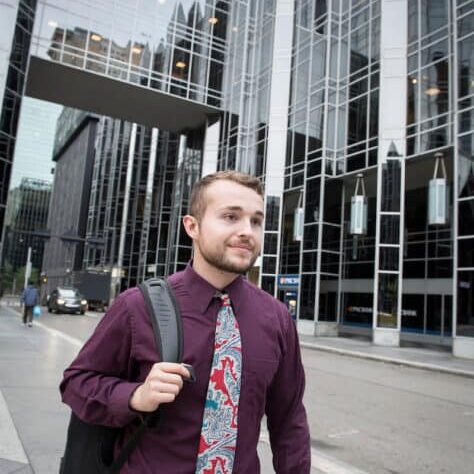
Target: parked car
pixel 66 300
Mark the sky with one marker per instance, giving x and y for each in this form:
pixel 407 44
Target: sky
pixel 35 141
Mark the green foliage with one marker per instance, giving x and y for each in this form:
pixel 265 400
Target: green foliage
pixel 13 281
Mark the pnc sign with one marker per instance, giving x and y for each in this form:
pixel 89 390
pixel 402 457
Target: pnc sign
pixel 288 281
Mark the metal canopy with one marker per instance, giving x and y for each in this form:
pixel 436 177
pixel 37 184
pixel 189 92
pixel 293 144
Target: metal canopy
pixel 73 87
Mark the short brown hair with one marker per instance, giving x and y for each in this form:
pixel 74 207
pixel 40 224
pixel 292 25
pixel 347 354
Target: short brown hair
pixel 197 203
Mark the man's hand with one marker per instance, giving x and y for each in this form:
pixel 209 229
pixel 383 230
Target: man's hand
pixel 162 385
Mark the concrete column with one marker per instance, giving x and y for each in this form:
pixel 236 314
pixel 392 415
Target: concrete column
pixel 277 126
pixel 392 140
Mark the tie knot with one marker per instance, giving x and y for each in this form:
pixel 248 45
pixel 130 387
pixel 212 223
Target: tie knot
pixel 224 297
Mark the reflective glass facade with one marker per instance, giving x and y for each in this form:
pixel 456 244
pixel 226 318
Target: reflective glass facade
pixel 27 211
pixel 371 91
pixel 17 24
pixel 176 47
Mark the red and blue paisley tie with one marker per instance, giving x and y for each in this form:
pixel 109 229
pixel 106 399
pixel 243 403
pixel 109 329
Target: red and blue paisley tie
pixel 219 424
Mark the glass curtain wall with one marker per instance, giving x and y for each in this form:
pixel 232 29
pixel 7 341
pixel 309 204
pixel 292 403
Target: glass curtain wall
pixel 428 249
pixel 464 187
pixel 343 91
pixel 149 200
pixel 307 121
pixel 14 62
pixel 173 46
pixel 246 91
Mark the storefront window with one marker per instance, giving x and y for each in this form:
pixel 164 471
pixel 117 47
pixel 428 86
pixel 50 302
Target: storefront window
pixel 413 313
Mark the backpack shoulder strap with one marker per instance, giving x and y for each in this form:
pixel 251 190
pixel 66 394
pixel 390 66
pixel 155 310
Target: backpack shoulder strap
pixel 165 317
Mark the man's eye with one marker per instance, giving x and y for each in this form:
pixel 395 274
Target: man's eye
pixel 257 222
pixel 230 217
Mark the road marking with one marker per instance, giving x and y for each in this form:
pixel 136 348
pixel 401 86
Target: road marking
pixel 321 461
pixel 54 332
pixel 92 315
pixel 343 434
pixel 11 448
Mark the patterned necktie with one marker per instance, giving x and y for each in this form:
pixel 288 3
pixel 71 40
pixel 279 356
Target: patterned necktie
pixel 219 423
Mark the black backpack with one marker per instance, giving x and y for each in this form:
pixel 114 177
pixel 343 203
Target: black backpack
pixel 90 448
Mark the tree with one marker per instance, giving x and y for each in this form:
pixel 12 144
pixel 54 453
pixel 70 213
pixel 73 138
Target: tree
pixel 19 279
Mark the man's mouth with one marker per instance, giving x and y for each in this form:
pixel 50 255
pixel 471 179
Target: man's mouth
pixel 242 247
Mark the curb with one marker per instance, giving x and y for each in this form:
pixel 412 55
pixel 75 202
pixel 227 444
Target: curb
pixel 388 360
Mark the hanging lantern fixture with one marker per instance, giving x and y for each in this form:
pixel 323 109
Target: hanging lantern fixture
pixel 359 205
pixel 298 219
pixel 438 195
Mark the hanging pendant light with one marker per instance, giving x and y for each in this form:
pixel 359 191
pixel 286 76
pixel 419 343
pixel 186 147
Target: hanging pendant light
pixel 359 205
pixel 438 194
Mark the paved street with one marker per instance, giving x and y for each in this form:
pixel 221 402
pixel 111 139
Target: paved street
pixel 365 416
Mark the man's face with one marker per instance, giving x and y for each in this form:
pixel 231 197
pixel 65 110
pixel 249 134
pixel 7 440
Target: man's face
pixel 229 233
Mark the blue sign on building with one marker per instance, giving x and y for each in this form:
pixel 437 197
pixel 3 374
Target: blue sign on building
pixel 288 281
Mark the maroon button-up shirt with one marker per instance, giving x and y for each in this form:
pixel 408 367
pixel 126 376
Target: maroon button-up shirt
pixel 118 356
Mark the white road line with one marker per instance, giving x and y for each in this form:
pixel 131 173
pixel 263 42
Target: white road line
pixel 343 434
pixel 11 448
pixel 54 332
pixel 92 315
pixel 322 462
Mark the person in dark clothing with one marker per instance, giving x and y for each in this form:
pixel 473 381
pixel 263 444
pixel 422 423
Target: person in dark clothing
pixel 29 298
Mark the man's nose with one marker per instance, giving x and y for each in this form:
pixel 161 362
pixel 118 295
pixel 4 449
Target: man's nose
pixel 246 227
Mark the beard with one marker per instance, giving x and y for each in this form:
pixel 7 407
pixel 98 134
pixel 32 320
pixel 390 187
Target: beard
pixel 218 259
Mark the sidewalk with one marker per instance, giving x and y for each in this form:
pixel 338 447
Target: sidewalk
pixel 33 421
pixel 438 360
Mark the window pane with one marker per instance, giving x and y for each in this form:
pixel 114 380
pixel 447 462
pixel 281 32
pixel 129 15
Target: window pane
pixel 465 304
pixel 387 301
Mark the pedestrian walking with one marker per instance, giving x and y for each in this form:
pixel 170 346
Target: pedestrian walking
pixel 241 342
pixel 29 298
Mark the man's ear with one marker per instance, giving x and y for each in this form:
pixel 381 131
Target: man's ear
pixel 191 226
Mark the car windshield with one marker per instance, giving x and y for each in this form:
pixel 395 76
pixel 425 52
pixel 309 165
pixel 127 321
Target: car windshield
pixel 69 293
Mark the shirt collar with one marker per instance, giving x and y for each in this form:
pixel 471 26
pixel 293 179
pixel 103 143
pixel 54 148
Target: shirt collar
pixel 202 292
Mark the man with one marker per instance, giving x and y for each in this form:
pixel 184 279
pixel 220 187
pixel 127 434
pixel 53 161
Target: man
pixel 30 299
pixel 241 342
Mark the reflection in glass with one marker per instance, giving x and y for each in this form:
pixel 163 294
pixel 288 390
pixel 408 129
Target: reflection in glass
pixel 413 311
pixel 391 178
pixel 177 47
pixel 328 298
pixel 387 301
pixel 308 290
pixel 388 258
pixel 465 304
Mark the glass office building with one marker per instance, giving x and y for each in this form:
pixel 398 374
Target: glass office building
pixel 27 211
pixel 357 114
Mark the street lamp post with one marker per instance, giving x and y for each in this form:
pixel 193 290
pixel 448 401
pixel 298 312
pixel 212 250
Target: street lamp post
pixel 28 267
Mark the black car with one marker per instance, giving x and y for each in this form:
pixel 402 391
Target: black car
pixel 66 300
